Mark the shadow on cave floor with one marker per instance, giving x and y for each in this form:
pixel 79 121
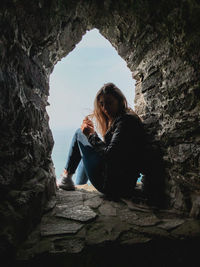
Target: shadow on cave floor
pixel 82 228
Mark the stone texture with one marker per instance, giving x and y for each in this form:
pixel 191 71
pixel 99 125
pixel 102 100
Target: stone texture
pixel 169 224
pixel 58 227
pixel 107 209
pixel 136 206
pixel 118 231
pixel 195 210
pixel 71 199
pixel 93 202
pixel 127 215
pixel 79 213
pixel 147 221
pixel 159 40
pixel 70 246
pixel 50 204
pixel 190 229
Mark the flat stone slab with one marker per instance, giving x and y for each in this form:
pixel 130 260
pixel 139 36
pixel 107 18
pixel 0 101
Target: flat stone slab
pixel 147 221
pixel 170 224
pixel 58 227
pixel 137 207
pixel 107 209
pixel 126 215
pixel 80 213
pixel 78 220
pixel 69 198
pixel 93 202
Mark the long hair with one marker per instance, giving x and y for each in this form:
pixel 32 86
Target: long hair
pixel 102 121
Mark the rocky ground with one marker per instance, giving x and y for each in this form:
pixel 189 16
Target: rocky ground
pixel 82 228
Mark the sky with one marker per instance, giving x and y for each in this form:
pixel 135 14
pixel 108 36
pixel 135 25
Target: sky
pixel 76 79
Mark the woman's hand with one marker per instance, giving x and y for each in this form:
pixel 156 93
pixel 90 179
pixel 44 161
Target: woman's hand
pixel 87 127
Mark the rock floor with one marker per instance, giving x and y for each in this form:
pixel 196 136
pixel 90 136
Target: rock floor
pixel 82 228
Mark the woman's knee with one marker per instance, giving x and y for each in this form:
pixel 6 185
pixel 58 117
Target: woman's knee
pixel 78 131
pixel 79 134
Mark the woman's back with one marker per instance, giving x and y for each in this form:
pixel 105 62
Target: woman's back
pixel 123 152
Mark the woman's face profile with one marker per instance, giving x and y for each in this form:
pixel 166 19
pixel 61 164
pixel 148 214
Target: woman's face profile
pixel 109 105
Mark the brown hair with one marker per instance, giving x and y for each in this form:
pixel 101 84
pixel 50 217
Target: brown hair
pixel 102 121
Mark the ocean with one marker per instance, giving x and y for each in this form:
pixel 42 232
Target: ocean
pixel 62 141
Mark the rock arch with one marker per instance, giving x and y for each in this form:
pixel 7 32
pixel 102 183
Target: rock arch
pixel 159 42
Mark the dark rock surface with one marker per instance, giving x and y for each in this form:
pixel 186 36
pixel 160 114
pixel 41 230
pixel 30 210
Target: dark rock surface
pixel 160 42
pixel 78 236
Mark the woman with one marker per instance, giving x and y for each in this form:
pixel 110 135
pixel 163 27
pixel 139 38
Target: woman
pixel 112 165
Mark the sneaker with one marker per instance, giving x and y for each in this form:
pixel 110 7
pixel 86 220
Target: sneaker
pixel 66 183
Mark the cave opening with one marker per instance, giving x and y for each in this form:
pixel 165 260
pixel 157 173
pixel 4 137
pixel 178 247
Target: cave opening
pixel 161 48
pixel 73 85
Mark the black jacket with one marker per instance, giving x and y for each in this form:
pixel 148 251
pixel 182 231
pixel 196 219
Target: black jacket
pixel 121 152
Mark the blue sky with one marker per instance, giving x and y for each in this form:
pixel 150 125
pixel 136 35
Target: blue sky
pixel 77 78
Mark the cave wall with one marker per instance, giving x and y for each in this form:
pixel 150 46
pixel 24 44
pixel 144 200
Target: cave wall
pixel 160 43
pixel 27 177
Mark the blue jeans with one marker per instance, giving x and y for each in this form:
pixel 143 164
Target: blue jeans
pixel 83 158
